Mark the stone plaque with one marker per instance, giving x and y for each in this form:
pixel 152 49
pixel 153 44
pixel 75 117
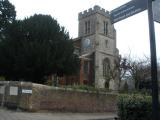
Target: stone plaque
pixel 13 90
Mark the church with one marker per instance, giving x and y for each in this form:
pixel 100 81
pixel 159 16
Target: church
pixel 96 48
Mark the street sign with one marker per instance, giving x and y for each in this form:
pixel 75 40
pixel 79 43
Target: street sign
pixel 26 91
pixel 131 8
pixel 156 10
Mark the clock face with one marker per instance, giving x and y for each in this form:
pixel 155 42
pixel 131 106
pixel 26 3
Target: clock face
pixel 86 43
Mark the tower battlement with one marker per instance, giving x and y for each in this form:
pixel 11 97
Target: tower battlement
pixel 95 9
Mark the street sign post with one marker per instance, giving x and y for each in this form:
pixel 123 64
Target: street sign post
pixel 156 11
pixel 129 9
pixel 155 104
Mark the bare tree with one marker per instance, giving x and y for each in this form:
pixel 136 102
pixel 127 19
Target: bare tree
pixel 137 70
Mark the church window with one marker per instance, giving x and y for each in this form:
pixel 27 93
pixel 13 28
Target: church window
pixel 105 26
pixel 87 27
pixel 106 43
pixel 106 67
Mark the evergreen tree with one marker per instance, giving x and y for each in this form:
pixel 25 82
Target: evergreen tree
pixel 37 47
pixel 7 15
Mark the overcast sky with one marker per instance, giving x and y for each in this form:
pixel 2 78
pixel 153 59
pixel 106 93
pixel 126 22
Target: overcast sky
pixel 132 33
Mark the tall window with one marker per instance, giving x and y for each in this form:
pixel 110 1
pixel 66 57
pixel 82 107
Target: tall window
pixel 87 27
pixel 106 67
pixel 105 26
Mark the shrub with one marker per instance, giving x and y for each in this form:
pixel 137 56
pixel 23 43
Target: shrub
pixel 134 107
pixel 87 88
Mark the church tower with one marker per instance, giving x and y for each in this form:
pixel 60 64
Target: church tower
pixel 98 47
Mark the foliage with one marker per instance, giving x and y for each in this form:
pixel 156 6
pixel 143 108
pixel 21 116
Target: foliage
pixel 134 107
pixel 83 87
pixel 7 15
pixel 139 91
pixel 37 47
pixel 2 78
pixel 87 88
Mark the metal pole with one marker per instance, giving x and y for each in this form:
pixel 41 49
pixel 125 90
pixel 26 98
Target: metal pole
pixel 155 103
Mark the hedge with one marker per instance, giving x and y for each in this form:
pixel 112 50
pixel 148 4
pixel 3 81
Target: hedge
pixel 134 107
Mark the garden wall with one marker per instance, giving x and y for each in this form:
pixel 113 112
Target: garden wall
pixel 35 97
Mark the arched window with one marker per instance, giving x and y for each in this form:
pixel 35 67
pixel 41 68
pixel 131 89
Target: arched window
pixel 106 67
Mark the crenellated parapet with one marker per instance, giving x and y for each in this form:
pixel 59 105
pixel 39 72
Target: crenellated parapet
pixel 94 10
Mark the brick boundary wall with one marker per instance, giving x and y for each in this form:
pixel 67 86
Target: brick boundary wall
pixel 57 99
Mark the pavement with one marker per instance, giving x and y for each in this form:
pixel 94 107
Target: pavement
pixel 6 114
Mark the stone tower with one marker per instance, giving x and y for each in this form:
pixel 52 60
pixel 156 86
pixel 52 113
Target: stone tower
pixel 98 43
